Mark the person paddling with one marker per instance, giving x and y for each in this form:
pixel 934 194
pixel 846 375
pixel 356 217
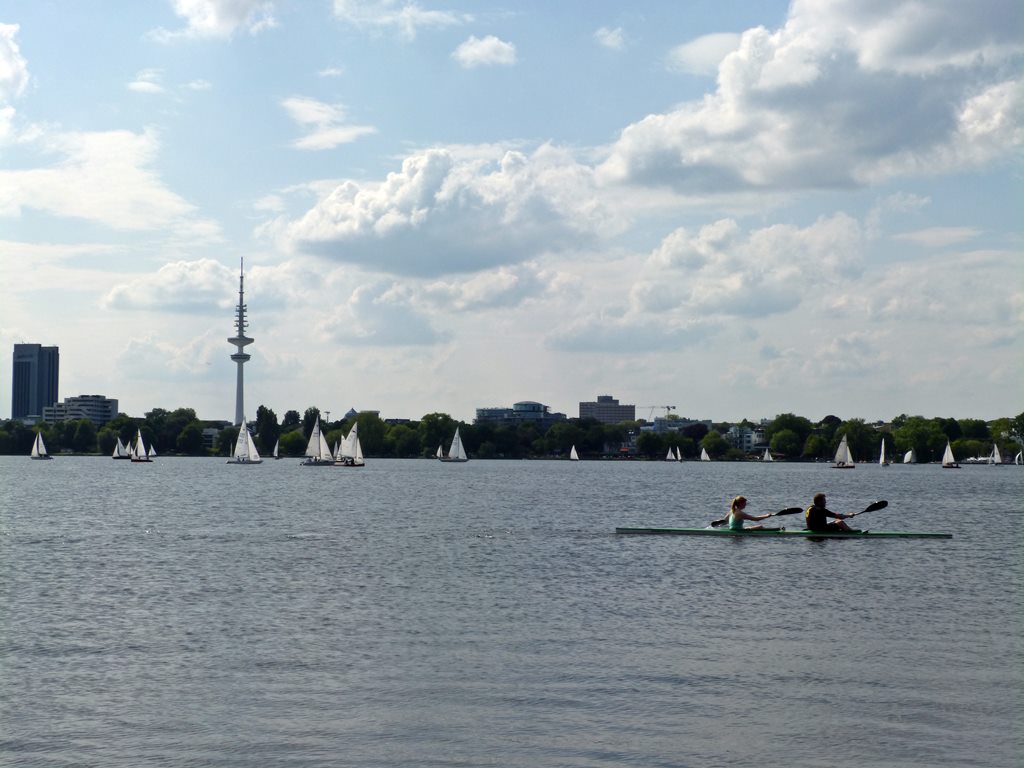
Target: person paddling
pixel 737 515
pixel 816 517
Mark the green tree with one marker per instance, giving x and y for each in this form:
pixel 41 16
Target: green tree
pixel 267 429
pixel 815 447
pixel 974 429
pixel 372 430
pixel 402 441
pixel 435 429
pixel 292 444
pixel 650 444
pixel 85 437
pixel 107 439
pixel 226 440
pixel 798 425
pixel 190 440
pixel 290 421
pixel 309 419
pixel 716 445
pixel 786 442
pixel 922 435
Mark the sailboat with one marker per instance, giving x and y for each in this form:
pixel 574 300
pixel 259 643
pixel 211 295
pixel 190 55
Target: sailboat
pixel 767 455
pixel 679 454
pixel 843 458
pixel 276 444
pixel 573 456
pixel 881 456
pixel 318 452
pixel 120 450
pixel 948 460
pixel 995 457
pixel 910 457
pixel 138 450
pixel 350 452
pixel 39 448
pixel 704 455
pixel 1019 458
pixel 456 453
pixel 245 448
pixel 670 456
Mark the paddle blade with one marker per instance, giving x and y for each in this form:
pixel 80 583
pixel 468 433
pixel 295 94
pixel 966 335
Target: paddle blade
pixel 877 505
pixel 789 511
pixel 719 523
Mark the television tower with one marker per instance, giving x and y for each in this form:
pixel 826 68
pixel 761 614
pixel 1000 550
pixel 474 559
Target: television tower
pixel 240 340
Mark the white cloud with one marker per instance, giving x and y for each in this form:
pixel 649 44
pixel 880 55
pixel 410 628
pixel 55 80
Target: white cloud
pixel 202 286
pixel 199 85
pixel 721 271
pixel 500 288
pixel 486 51
pixel 326 123
pixel 405 17
pixel 381 314
pixel 147 81
pixel 103 177
pixel 615 39
pixel 937 237
pixel 14 75
pixel 220 18
pixel 331 72
pixel 703 55
pixel 442 214
pixel 842 95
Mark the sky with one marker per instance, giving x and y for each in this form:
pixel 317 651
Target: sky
pixel 737 209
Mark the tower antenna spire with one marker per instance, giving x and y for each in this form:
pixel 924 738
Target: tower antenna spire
pixel 240 340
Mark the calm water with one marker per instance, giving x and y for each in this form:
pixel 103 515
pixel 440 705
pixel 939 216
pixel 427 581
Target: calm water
pixel 419 614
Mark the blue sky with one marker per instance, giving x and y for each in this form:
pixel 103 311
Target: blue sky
pixel 740 209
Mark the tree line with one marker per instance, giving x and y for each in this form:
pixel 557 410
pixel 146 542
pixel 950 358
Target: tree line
pixel 788 436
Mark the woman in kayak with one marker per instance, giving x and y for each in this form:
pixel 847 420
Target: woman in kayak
pixel 816 517
pixel 737 515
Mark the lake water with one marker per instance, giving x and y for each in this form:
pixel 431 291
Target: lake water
pixel 414 613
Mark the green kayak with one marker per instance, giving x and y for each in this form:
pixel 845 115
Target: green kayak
pixel 775 533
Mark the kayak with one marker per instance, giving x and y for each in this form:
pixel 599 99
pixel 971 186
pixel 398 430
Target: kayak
pixel 782 533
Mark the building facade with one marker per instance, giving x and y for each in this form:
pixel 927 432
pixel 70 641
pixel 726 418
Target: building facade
pixel 524 412
pixel 607 410
pixel 97 408
pixel 34 381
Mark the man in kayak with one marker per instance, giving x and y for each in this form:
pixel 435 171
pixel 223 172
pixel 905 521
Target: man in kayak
pixel 816 517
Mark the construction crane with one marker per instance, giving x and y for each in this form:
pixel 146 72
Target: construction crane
pixel 650 416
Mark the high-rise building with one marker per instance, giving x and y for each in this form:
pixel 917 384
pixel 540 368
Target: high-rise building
pixel 240 340
pixel 607 410
pixel 34 381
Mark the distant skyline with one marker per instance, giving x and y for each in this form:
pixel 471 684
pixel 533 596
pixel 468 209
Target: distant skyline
pixel 737 209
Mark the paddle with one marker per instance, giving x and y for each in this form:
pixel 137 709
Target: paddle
pixel 870 508
pixel 787 511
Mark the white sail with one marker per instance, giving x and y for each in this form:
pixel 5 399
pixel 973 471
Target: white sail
pixel 138 452
pixel 767 455
pixel 996 457
pixel 1019 458
pixel 910 457
pixel 120 450
pixel 313 446
pixel 151 453
pixel 948 460
pixel 350 451
pixel 39 448
pixel 704 455
pixel 670 456
pixel 276 444
pixel 679 454
pixel 457 451
pixel 881 454
pixel 325 449
pixel 573 456
pixel 440 453
pixel 843 458
pixel 245 448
